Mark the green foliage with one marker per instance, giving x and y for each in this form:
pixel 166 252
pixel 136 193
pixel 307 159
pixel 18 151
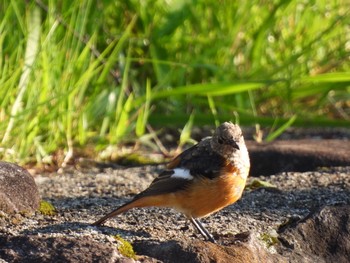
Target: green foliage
pixel 185 135
pixel 86 72
pixel 281 129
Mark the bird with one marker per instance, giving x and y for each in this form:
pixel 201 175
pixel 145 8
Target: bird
pixel 200 181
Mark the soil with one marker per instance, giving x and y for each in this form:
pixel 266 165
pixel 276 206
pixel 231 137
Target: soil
pixel 83 196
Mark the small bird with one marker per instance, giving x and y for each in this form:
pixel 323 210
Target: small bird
pixel 201 180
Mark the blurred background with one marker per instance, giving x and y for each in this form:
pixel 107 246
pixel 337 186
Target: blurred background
pixel 79 76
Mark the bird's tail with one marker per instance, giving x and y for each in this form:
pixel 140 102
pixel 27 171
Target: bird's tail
pixel 140 202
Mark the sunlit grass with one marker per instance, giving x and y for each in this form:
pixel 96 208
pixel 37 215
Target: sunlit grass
pixel 82 72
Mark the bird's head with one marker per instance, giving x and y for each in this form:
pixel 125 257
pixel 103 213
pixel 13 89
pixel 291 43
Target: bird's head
pixel 228 139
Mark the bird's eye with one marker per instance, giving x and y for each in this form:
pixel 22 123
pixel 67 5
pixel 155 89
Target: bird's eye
pixel 220 140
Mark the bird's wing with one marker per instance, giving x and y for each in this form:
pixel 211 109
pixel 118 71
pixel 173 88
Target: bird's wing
pixel 164 184
pixel 197 161
pixel 200 160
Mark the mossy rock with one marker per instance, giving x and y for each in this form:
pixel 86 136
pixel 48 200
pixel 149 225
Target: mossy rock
pixel 18 190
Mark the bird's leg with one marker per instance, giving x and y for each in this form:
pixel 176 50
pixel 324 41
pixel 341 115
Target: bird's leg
pixel 204 232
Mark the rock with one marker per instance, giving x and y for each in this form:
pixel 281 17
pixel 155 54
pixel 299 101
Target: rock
pixel 192 251
pixel 34 248
pixel 323 236
pixel 297 155
pixel 18 191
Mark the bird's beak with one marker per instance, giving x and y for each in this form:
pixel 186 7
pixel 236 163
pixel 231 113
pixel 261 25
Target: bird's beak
pixel 234 144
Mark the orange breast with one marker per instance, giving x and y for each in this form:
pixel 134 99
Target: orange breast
pixel 206 196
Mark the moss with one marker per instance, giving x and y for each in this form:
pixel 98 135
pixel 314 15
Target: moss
pixel 268 239
pixel 255 184
pixel 47 208
pixel 125 248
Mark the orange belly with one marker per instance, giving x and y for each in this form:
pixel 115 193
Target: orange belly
pixel 206 196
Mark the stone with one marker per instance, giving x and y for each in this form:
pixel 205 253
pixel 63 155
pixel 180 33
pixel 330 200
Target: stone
pixel 297 155
pixel 18 191
pixel 234 249
pixel 322 236
pixel 34 248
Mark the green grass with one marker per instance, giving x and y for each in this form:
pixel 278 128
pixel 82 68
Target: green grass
pixel 98 73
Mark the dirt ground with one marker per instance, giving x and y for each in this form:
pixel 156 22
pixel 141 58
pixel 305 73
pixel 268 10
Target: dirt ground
pixel 83 196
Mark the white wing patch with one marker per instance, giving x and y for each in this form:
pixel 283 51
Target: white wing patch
pixel 182 173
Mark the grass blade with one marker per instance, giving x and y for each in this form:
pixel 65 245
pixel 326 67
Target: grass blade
pixel 217 89
pixel 272 136
pixel 32 47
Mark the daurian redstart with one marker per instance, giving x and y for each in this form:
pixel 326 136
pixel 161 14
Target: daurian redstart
pixel 201 180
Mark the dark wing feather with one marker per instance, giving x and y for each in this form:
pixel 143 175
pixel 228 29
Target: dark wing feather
pixel 164 184
pixel 200 160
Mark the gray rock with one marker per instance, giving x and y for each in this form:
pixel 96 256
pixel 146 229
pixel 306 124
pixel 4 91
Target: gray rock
pixel 241 248
pixel 18 191
pixel 323 236
pixel 33 248
pixel 297 155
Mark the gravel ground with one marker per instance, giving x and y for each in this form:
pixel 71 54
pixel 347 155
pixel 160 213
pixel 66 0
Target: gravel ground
pixel 83 197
